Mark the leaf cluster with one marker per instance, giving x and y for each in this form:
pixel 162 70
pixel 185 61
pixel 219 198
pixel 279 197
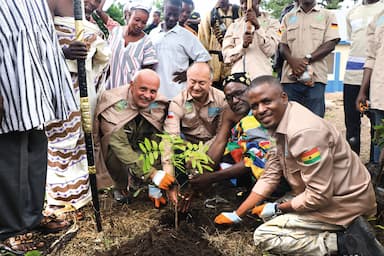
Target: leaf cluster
pixel 181 152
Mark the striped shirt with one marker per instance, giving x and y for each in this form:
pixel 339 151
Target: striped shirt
pixel 127 60
pixel 34 82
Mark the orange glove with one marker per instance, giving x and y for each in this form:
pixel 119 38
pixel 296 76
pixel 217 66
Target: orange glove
pixel 227 218
pixel 156 196
pixel 267 210
pixel 163 180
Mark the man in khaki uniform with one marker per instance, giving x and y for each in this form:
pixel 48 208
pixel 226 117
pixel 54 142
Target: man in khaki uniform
pixel 247 51
pixel 373 75
pixel 194 114
pixel 211 34
pixel 309 34
pixel 331 188
pixel 125 116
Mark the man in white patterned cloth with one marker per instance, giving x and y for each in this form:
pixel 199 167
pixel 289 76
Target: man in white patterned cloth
pixel 35 87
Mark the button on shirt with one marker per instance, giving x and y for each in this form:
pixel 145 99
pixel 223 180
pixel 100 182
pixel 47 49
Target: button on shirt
pixel 304 33
pixel 174 48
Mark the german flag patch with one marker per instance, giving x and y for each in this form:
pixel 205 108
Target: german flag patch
pixel 311 156
pixel 334 25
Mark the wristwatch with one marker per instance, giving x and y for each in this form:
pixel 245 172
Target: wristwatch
pixel 308 57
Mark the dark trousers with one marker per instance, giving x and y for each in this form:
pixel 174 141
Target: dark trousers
pixel 23 171
pixel 352 116
pixel 310 97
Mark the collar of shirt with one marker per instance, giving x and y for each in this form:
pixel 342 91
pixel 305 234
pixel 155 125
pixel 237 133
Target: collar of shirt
pixel 315 8
pixel 282 127
pixel 176 29
pixel 209 99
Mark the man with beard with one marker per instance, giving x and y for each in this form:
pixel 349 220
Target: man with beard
pixel 175 47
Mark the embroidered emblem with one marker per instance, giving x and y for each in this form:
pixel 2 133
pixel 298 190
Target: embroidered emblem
pixel 311 156
pixel 213 112
pixel 121 105
pixel 292 20
pixel 188 107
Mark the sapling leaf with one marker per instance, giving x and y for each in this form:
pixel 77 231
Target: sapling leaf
pixel 147 144
pixel 141 146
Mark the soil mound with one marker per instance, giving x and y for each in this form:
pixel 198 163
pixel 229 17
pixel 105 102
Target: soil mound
pixel 163 241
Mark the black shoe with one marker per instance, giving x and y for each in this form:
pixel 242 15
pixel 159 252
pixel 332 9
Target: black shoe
pixel 359 239
pixel 122 196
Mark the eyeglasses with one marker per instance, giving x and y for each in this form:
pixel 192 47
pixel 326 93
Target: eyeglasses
pixel 236 94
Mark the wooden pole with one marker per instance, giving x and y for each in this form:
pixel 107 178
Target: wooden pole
pixel 249 27
pixel 85 109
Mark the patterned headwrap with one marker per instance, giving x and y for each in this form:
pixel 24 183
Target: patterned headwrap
pixel 241 77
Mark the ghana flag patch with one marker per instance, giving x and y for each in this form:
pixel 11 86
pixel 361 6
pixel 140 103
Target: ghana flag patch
pixel 311 156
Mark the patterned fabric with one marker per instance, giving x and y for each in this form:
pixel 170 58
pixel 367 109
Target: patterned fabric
pixel 241 77
pixel 249 142
pixel 127 60
pixel 33 82
pixel 67 173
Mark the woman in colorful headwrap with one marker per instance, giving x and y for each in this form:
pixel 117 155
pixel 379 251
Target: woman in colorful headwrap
pixel 241 143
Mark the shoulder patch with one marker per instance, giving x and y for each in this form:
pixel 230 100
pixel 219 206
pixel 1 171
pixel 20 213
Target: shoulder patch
pixel 188 107
pixel 292 20
pixel 121 105
pixel 213 111
pixel 380 21
pixel 311 156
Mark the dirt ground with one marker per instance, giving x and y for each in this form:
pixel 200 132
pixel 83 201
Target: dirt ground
pixel 139 229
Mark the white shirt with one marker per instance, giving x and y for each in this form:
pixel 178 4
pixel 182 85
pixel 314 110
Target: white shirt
pixel 174 48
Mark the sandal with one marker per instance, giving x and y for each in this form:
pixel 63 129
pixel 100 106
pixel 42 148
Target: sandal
pixel 23 243
pixel 50 224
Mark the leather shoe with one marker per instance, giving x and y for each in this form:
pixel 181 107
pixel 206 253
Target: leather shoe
pixel 359 239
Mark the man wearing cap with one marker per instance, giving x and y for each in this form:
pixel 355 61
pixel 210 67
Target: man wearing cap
pixel 251 51
pixel 175 47
pixel 125 116
pixel 309 34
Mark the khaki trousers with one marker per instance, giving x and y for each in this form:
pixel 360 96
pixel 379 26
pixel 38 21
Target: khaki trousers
pixel 293 234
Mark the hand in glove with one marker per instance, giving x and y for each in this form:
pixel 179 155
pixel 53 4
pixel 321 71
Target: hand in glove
pixel 267 210
pixel 163 180
pixel 227 218
pixel 156 196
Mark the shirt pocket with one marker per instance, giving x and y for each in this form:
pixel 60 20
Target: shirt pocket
pixel 292 32
pixel 317 32
pixel 190 121
pixel 379 36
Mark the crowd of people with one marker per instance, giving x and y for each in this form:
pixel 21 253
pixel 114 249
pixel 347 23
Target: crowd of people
pixel 205 80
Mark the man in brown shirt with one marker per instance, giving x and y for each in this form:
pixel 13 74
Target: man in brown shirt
pixel 194 114
pixel 125 116
pixel 331 188
pixel 309 34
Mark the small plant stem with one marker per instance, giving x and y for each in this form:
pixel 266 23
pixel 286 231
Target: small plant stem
pixel 176 217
